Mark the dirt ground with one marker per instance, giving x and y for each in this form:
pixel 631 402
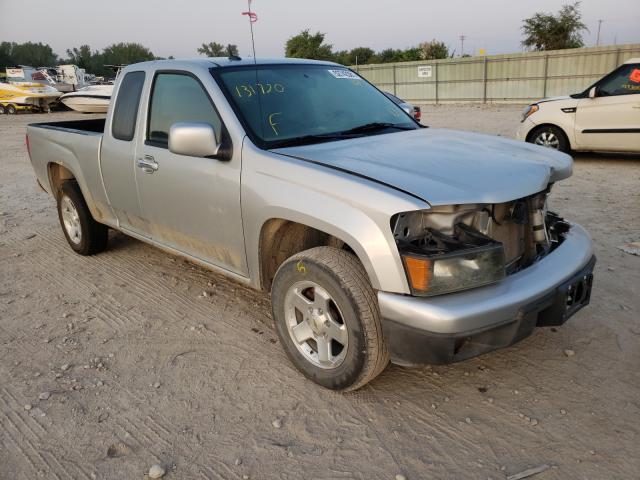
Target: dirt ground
pixel 112 363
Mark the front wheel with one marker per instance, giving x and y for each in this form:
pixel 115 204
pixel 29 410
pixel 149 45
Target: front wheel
pixel 84 235
pixel 2 109
pixel 550 136
pixel 327 318
pixel 11 109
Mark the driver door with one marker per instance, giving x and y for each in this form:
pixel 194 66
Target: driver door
pixel 611 120
pixel 189 204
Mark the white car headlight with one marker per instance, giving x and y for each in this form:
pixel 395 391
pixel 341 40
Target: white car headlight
pixel 529 110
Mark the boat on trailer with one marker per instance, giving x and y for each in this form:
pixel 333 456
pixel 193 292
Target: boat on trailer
pixel 91 99
pixel 34 97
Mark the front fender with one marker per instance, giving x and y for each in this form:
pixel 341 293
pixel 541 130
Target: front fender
pixel 355 210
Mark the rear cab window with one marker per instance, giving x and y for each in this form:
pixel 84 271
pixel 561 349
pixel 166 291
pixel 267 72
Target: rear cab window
pixel 125 113
pixel 178 97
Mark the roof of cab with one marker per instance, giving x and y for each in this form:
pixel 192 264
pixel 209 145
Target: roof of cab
pixel 633 60
pixel 221 62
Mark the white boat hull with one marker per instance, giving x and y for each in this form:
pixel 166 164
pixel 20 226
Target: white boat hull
pixel 91 99
pixel 87 104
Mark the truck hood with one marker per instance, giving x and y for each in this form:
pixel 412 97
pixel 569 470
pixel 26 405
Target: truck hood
pixel 443 167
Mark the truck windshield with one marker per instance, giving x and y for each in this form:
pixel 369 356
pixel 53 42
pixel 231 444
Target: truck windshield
pixel 287 105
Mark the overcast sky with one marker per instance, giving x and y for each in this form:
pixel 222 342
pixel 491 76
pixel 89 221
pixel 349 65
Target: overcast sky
pixel 178 27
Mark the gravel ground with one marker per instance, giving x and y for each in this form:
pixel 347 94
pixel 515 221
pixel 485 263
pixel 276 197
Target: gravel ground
pixel 113 363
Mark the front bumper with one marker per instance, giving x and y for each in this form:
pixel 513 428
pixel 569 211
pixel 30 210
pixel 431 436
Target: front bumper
pixel 524 129
pixel 457 326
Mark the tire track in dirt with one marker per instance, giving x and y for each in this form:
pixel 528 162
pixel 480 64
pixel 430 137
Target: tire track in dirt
pixel 27 437
pixel 9 439
pixel 130 267
pixel 29 431
pixel 127 265
pixel 144 435
pixel 179 305
pixel 227 474
pixel 123 266
pixel 58 268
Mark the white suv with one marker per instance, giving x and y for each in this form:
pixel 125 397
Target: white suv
pixel 605 117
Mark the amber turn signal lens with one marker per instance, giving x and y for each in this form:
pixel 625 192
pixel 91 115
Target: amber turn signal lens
pixel 419 272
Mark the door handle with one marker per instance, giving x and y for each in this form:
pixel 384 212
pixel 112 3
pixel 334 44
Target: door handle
pixel 147 164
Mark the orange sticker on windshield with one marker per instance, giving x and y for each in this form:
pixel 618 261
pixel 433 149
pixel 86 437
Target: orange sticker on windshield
pixel 635 75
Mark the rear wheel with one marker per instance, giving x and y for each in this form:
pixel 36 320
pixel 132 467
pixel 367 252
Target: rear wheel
pixel 550 136
pixel 11 109
pixel 327 318
pixel 2 109
pixel 84 235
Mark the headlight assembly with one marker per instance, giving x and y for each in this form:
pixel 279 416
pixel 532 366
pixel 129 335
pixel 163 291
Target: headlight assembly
pixel 529 110
pixel 436 263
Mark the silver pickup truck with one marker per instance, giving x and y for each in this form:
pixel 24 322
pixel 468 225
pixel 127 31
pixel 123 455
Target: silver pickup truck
pixel 379 239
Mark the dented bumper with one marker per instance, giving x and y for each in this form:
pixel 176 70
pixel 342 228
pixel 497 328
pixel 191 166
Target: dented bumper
pixel 457 326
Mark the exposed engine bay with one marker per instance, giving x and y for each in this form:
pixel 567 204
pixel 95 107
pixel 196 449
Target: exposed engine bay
pixel 524 230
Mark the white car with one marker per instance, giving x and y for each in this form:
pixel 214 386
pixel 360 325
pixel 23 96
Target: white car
pixel 605 117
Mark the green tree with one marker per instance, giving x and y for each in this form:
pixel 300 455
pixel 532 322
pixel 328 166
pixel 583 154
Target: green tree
pixel 546 31
pixel 411 54
pixel 343 57
pixel 387 56
pixel 125 54
pixel 83 57
pixel 33 54
pixel 305 45
pixel 433 50
pixel 214 49
pixel 361 55
pixel 6 54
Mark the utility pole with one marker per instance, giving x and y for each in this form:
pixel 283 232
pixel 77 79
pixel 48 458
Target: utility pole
pixel 599 25
pixel 462 39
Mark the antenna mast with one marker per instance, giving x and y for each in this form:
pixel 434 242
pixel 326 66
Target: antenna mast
pixel 253 18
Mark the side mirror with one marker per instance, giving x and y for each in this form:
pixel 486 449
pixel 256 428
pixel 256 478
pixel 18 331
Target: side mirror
pixel 593 92
pixel 194 139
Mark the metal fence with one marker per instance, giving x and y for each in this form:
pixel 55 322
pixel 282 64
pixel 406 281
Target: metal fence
pixel 510 78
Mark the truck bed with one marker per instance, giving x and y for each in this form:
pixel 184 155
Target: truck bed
pixel 94 125
pixel 74 145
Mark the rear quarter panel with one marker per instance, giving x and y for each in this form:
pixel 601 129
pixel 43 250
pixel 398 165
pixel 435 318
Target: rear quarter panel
pixel 78 152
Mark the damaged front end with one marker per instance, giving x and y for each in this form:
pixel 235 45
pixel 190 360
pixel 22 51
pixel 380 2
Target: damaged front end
pixel 452 248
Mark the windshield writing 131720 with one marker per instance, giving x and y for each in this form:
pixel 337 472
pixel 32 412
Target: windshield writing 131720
pixel 247 90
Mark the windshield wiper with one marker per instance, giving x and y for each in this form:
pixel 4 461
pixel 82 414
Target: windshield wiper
pixel 374 126
pixel 326 137
pixel 308 139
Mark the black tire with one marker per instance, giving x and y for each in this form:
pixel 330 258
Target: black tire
pixel 538 134
pixel 11 109
pixel 343 277
pixel 2 110
pixel 93 235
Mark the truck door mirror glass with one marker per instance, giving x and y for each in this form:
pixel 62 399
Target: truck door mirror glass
pixel 194 139
pixel 593 92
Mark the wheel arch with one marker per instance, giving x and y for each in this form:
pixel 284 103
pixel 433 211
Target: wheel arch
pixel 58 174
pixel 563 130
pixel 281 238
